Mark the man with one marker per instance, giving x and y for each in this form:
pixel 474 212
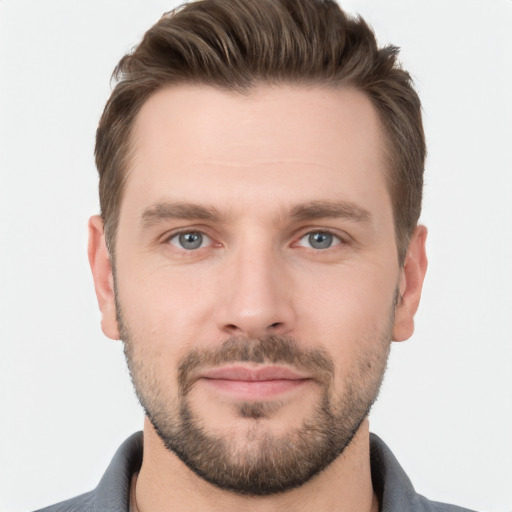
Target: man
pixel 257 251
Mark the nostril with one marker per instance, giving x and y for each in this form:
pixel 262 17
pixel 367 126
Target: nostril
pixel 254 329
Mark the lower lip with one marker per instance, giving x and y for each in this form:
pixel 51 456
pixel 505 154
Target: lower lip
pixel 255 390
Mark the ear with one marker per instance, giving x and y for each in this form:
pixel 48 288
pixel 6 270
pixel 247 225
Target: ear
pixel 411 283
pixel 99 260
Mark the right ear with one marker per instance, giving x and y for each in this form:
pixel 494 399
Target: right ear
pixel 99 260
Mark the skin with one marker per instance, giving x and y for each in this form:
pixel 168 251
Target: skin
pixel 254 158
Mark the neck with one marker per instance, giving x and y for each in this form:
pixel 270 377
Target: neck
pixel 165 483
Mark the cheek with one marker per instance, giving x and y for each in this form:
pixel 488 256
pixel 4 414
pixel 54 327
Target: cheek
pixel 350 316
pixel 353 324
pixel 165 304
pixel 347 301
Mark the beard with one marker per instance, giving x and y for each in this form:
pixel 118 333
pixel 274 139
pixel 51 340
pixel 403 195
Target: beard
pixel 267 463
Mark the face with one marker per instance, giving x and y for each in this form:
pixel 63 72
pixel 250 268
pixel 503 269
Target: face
pixel 256 278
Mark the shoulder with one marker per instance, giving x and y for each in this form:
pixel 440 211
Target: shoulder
pixel 425 505
pixel 82 503
pixel 393 487
pixel 113 490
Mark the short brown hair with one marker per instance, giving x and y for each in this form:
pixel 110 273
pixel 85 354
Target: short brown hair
pixel 236 45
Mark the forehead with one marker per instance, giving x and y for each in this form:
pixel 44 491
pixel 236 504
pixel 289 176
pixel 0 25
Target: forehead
pixel 285 143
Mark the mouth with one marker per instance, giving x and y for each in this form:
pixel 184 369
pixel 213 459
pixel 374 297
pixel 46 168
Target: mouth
pixel 254 383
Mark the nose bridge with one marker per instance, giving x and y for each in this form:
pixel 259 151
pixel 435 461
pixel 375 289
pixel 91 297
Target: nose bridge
pixel 256 298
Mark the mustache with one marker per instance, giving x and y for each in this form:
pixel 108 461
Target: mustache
pixel 267 349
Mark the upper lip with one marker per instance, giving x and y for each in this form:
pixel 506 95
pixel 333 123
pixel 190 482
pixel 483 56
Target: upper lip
pixel 253 374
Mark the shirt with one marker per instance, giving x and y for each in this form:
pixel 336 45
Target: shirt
pixel 392 486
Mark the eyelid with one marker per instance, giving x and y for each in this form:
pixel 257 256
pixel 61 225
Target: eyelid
pixel 206 240
pixel 203 230
pixel 337 239
pixel 342 236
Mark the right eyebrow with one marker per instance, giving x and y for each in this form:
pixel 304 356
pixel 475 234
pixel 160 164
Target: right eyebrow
pixel 184 211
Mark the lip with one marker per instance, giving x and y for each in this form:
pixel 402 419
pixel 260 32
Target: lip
pixel 253 374
pixel 253 383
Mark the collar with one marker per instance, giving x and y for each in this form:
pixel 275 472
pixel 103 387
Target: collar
pixel 393 487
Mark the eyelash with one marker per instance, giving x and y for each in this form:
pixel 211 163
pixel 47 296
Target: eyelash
pixel 340 240
pixel 176 234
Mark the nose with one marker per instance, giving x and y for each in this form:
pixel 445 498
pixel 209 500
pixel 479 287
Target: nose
pixel 255 295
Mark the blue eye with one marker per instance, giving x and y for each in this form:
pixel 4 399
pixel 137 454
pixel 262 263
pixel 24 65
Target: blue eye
pixel 190 240
pixel 319 240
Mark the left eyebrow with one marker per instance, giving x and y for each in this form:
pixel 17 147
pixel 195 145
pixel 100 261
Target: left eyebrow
pixel 327 209
pixel 180 211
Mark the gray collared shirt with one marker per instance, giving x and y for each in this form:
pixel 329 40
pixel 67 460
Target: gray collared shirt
pixel 393 487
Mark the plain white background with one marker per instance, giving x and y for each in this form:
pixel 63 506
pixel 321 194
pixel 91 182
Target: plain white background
pixel 66 399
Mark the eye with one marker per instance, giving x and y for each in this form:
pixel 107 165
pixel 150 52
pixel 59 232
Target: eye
pixel 319 240
pixel 190 240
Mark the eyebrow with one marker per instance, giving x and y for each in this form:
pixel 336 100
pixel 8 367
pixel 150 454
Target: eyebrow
pixel 328 209
pixel 169 211
pixel 302 212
